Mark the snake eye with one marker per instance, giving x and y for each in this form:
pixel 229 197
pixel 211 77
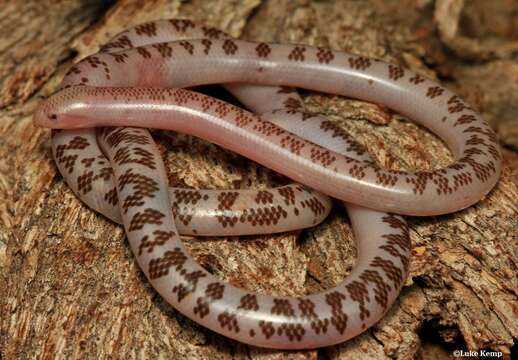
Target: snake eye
pixel 53 116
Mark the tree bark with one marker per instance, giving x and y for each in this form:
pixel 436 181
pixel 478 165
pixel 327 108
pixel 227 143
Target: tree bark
pixel 70 285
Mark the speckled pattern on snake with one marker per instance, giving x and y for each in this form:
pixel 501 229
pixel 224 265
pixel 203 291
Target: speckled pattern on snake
pixel 135 82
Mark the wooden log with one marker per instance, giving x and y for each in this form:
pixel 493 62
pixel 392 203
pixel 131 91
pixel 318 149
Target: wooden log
pixel 70 285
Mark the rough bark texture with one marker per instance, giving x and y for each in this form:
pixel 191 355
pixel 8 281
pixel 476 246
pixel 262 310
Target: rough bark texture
pixel 69 285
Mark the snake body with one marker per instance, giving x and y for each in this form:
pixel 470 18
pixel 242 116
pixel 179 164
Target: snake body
pixel 136 81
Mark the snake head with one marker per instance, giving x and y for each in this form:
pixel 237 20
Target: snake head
pixel 64 109
pixel 45 115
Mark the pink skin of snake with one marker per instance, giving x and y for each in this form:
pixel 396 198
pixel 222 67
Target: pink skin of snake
pixel 278 322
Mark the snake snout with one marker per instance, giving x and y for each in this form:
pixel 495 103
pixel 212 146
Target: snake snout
pixel 45 115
